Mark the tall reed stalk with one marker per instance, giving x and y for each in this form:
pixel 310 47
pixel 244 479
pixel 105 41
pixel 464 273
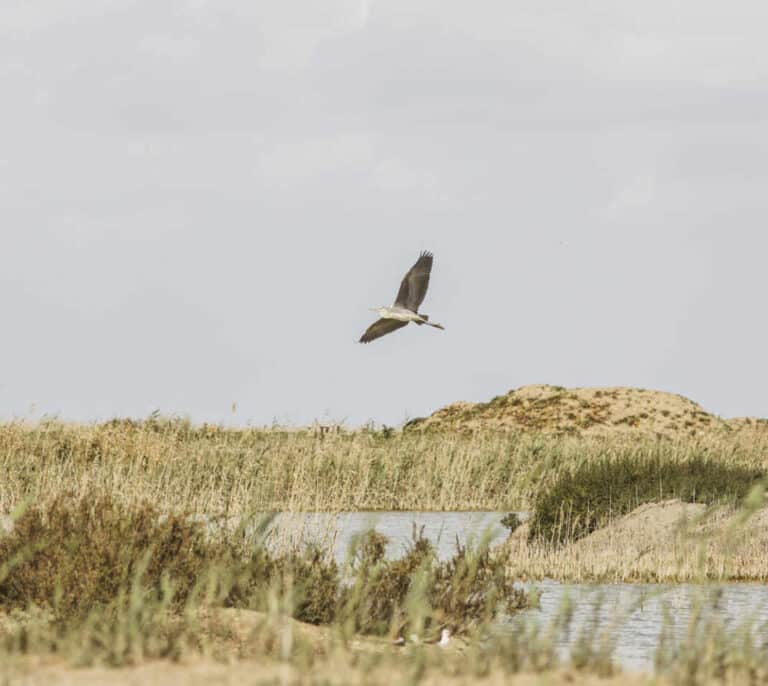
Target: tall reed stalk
pixel 180 467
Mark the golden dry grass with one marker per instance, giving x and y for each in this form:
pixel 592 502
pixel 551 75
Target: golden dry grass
pixel 209 469
pixel 207 641
pixel 215 470
pixel 274 673
pixel 247 647
pixel 665 542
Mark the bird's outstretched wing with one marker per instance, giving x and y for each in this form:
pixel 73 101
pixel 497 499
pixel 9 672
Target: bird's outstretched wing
pixel 380 328
pixel 414 285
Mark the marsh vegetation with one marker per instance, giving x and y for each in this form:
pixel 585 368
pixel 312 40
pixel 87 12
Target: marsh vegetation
pixel 135 541
pixel 91 583
pixel 216 470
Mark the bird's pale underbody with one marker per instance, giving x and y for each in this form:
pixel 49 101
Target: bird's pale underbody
pixel 413 288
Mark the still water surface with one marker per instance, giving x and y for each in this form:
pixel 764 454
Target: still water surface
pixel 630 614
pixel 442 528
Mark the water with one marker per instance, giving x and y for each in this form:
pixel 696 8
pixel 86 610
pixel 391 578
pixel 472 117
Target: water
pixel 630 614
pixel 442 528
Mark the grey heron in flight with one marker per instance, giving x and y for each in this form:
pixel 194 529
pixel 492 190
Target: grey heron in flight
pixel 413 288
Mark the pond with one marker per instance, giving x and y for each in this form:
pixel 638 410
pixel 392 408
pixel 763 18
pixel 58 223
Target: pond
pixel 632 615
pixel 444 529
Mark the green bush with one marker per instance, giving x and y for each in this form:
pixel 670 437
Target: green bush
pixel 511 521
pixel 76 556
pixel 419 591
pixel 583 499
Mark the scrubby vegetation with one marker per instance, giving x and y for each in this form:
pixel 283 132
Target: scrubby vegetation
pixel 594 492
pixel 92 573
pixel 464 591
pixel 86 563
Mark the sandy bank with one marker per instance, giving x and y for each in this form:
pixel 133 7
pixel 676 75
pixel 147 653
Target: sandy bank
pixel 330 674
pixel 657 542
pixel 242 646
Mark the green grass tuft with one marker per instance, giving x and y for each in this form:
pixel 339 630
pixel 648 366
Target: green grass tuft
pixel 590 495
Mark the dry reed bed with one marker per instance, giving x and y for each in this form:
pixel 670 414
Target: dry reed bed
pixel 667 542
pixel 214 470
pixel 209 469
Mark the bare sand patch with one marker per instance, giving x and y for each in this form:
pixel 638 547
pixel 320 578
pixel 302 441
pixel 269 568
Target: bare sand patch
pixel 341 670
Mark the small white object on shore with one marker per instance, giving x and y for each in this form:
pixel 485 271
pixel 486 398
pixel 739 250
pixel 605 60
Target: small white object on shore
pixel 445 638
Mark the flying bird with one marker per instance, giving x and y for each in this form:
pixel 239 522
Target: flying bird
pixel 413 288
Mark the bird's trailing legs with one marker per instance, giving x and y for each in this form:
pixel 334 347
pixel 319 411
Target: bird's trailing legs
pixel 425 320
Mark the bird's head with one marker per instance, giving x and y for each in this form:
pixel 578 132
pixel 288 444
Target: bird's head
pixel 379 310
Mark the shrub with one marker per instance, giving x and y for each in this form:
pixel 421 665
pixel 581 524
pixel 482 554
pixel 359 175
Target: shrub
pixel 418 591
pixel 511 521
pixel 75 556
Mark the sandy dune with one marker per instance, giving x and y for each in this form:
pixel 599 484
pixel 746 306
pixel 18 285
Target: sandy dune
pixel 610 411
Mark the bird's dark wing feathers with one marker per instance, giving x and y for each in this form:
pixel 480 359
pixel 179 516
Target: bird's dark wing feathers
pixel 380 328
pixel 414 285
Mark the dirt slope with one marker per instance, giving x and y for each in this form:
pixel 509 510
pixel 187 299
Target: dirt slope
pixel 664 542
pixel 585 411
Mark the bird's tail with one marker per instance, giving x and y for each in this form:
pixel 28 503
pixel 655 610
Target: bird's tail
pixel 436 325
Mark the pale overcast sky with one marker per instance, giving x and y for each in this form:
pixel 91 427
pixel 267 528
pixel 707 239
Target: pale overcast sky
pixel 199 200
